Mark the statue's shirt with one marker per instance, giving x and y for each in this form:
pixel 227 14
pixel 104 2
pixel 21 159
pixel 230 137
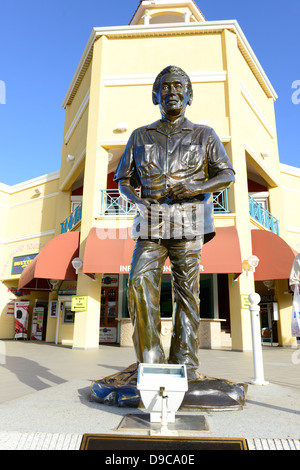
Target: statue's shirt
pixel 156 158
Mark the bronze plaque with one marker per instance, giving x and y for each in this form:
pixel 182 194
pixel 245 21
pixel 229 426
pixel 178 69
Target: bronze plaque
pixel 178 446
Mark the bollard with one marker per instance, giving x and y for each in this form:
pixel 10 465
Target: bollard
pixel 258 365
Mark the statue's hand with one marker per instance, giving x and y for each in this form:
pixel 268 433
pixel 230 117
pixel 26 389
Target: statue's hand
pixel 184 190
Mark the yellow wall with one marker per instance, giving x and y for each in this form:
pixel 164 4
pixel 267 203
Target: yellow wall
pixel 7 297
pixel 290 182
pixel 27 226
pixel 147 56
pixel 7 319
pixel 30 219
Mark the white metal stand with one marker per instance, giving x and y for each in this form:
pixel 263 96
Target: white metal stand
pixel 164 430
pixel 254 308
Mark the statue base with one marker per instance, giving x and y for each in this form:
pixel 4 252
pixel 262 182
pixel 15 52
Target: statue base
pixel 204 393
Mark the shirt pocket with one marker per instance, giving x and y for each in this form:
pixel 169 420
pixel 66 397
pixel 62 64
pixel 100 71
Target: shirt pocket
pixel 192 157
pixel 147 160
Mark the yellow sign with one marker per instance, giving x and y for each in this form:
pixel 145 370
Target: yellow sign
pixel 245 301
pixel 79 303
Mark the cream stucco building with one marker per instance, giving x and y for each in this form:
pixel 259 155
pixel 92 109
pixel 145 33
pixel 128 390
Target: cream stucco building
pixel 108 97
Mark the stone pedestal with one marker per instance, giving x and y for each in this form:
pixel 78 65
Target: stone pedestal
pixel 209 332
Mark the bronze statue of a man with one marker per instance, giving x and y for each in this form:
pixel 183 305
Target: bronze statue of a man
pixel 177 165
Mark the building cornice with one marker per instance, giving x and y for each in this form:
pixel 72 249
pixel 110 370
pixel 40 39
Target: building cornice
pixel 290 170
pixel 27 237
pixel 77 117
pixel 29 183
pixel 156 30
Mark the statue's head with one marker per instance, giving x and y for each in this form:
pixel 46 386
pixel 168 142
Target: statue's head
pixel 172 91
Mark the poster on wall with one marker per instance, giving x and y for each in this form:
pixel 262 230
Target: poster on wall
pixel 37 323
pixel 53 309
pixel 21 319
pixel 108 335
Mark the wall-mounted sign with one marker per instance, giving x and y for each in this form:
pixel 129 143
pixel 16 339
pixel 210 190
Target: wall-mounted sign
pixel 110 279
pixel 79 303
pixel 53 309
pixel 108 335
pixel 245 303
pixel 19 263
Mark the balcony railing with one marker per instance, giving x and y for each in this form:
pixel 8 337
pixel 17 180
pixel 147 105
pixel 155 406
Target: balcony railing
pixel 113 204
pixel 72 220
pixel 220 201
pixel 263 216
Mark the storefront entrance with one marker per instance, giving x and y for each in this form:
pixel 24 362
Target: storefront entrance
pixel 39 320
pixel 109 309
pixel 268 323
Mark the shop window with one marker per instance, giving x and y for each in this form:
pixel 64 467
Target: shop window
pixel 166 302
pixel 109 306
pixel 206 296
pixel 224 304
pixel 39 322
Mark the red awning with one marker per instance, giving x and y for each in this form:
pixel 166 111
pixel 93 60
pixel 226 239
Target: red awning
pixel 109 255
pixel 53 262
pixel 113 255
pixel 275 256
pixel 222 254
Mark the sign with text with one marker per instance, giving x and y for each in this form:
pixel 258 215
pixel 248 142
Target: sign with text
pixel 108 335
pixel 245 303
pixel 79 303
pixel 19 263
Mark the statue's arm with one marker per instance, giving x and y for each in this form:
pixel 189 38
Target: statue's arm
pixel 219 182
pixel 128 192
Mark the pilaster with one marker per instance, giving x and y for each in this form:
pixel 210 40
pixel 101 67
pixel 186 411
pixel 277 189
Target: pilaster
pixel 240 316
pixel 86 327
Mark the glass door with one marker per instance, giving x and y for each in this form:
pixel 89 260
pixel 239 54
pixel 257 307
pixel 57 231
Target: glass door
pixel 108 314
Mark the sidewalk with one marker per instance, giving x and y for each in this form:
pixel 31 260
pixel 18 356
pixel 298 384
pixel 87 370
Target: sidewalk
pixel 44 392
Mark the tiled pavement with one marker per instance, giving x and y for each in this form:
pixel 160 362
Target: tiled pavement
pixel 273 444
pixel 39 441
pixel 56 441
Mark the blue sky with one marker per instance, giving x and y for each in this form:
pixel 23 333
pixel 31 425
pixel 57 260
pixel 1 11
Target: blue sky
pixel 41 44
